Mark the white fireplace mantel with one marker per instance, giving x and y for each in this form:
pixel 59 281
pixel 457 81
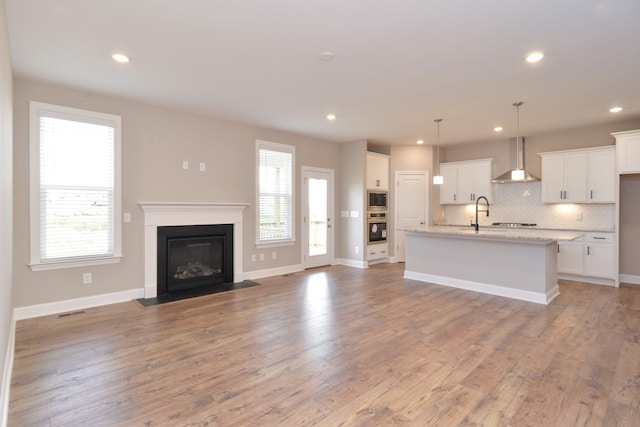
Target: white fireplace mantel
pixel 160 214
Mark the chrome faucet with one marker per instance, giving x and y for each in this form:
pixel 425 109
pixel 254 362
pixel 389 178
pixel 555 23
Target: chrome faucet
pixel 478 210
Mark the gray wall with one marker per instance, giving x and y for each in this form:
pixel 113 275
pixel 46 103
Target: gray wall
pixel 155 141
pixel 6 203
pixel 630 224
pixel 353 157
pixel 567 139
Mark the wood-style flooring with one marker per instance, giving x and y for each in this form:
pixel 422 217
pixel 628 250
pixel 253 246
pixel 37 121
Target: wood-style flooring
pixel 336 346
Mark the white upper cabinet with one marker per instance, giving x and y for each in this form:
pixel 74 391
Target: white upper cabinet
pixel 449 187
pixel 465 181
pixel 628 144
pixel 579 176
pixel 602 175
pixel 377 171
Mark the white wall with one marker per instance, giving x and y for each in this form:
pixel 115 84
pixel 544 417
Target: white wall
pixel 155 141
pixel 6 203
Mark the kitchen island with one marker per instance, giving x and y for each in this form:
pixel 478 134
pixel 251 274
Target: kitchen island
pixel 518 264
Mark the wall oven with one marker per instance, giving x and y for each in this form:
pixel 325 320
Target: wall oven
pixel 376 227
pixel 376 200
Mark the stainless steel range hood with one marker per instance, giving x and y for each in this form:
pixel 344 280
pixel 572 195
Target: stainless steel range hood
pixel 517 158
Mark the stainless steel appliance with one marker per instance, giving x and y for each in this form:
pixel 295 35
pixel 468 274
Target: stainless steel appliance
pixel 377 200
pixel 377 227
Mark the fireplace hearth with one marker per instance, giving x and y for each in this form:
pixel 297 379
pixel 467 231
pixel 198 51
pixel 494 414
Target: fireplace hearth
pixel 194 256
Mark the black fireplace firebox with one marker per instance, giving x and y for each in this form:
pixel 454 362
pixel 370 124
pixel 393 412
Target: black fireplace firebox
pixel 194 256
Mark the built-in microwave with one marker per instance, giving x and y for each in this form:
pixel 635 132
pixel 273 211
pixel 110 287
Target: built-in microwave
pixel 377 200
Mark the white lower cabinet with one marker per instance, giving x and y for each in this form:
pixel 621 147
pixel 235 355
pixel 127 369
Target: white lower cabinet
pixel 593 255
pixel 570 257
pixel 379 251
pixel 600 257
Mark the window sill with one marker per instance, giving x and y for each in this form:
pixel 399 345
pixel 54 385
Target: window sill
pixel 83 262
pixel 275 244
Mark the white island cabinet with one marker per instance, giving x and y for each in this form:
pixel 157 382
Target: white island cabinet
pixel 516 265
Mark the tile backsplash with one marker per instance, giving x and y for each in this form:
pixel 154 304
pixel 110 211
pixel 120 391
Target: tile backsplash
pixel 521 203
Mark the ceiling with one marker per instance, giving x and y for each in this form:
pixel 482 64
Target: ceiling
pixel 398 64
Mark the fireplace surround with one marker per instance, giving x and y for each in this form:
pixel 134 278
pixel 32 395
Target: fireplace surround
pixel 158 214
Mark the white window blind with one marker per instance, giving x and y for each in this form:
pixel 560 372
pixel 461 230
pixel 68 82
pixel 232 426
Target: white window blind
pixel 76 192
pixel 275 192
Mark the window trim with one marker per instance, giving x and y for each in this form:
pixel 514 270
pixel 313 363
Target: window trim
pixel 274 146
pixel 36 109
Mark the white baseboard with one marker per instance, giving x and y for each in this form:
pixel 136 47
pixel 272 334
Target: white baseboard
pixel 485 288
pixel 586 279
pixel 351 262
pixel 270 272
pixel 630 278
pixel 6 373
pixel 37 310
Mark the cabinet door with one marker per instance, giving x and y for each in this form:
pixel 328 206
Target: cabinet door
pixel 449 187
pixel 600 260
pixel 575 178
pixel 570 259
pixel 466 183
pixel 377 171
pixel 628 152
pixel 602 176
pixel 483 175
pixel 553 179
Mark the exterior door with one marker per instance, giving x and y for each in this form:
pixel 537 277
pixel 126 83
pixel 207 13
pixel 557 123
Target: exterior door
pixel 412 206
pixel 317 221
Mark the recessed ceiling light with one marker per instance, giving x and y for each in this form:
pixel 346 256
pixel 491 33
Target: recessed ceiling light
pixel 535 57
pixel 327 56
pixel 118 57
pixel 498 128
pixel 615 109
pixel 331 116
pixel 419 142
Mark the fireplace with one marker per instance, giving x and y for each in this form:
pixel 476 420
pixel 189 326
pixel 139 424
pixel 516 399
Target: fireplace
pixel 194 256
pixel 161 214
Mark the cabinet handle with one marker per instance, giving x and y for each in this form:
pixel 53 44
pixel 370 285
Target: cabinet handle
pixel 560 194
pixel 591 194
pixel 558 248
pixel 588 250
pixel 454 197
pixel 599 238
pixel 377 183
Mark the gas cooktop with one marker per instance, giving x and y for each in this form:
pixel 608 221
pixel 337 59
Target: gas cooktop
pixel 514 224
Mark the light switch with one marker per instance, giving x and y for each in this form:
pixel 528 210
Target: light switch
pixel 203 167
pixel 185 164
pixel 126 217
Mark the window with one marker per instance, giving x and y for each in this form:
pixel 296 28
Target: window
pixel 75 187
pixel 275 193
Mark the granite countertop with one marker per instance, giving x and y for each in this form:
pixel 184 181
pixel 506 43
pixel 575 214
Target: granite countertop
pixel 501 233
pixel 534 228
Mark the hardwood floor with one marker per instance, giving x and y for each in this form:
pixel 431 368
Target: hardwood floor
pixel 336 346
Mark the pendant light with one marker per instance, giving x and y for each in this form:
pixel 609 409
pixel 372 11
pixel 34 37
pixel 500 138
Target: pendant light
pixel 437 178
pixel 518 173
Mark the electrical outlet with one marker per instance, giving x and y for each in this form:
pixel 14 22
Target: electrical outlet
pixel 87 278
pixel 203 167
pixel 185 164
pixel 357 249
pixel 253 258
pixel 261 257
pixel 126 217
pixel 579 216
pixel 274 255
